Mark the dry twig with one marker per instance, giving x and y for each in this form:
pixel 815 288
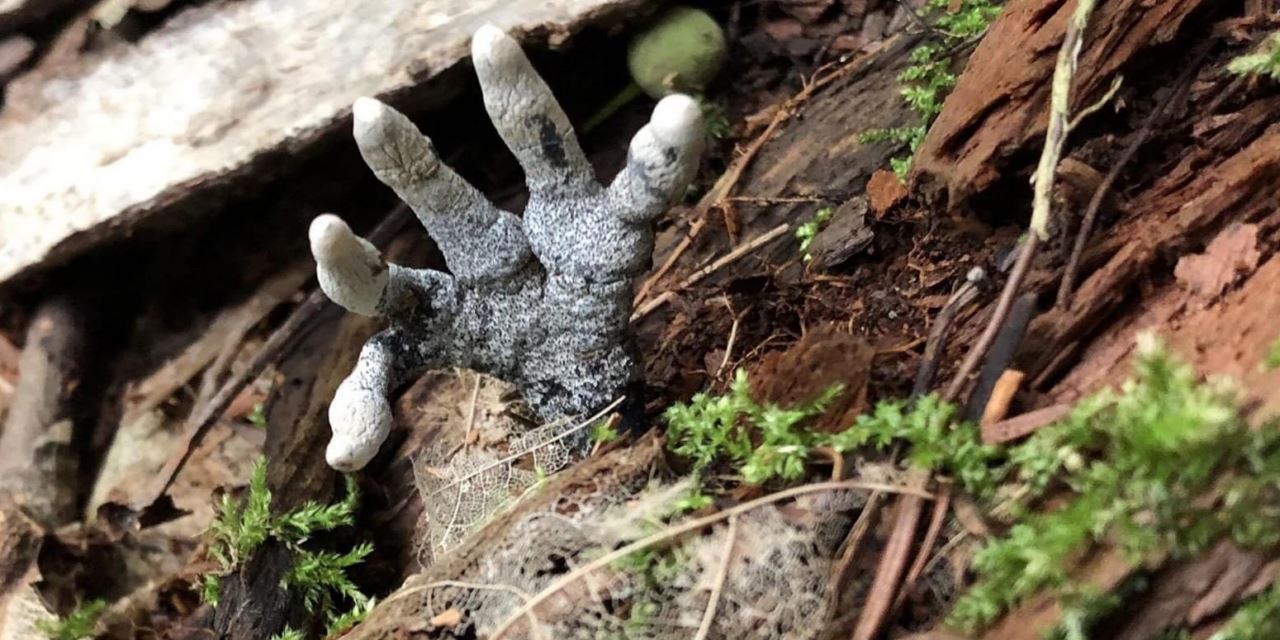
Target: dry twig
pixel 718 194
pixel 719 263
pixel 1046 172
pixel 1183 84
pixel 722 574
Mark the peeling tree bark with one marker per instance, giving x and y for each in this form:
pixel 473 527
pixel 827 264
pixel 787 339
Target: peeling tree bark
pixel 224 96
pixel 999 107
pixel 38 462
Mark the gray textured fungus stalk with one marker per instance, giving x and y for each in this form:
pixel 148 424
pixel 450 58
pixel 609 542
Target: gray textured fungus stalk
pixel 541 302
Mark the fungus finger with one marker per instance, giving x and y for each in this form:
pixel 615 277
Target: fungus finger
pixel 350 269
pixel 360 414
pixel 479 241
pixel 527 116
pixel 661 160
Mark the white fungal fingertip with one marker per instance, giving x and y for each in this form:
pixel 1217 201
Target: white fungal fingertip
pixel 491 45
pixel 677 120
pixel 344 456
pixel 366 110
pixel 361 421
pixel 327 234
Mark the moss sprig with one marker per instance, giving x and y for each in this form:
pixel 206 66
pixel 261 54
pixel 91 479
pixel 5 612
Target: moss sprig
pixel 1139 464
pixel 80 623
pixel 244 525
pixel 930 77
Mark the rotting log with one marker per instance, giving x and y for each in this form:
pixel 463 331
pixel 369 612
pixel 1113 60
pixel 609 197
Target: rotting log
pixel 999 105
pixel 252 603
pixel 226 95
pixel 1179 213
pixel 38 460
pixel 816 155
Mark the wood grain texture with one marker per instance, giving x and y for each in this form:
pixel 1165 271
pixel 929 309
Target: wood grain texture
pixel 224 93
pixel 999 106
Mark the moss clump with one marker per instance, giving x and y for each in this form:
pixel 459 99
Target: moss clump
pixel 806 232
pixel 929 78
pixel 81 623
pixel 1265 61
pixel 1166 464
pixel 242 526
pixel 762 441
pixel 680 53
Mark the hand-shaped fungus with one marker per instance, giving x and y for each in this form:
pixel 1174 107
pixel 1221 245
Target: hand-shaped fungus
pixel 543 301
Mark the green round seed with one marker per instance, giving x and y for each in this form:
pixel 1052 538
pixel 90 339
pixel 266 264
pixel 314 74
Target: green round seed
pixel 680 53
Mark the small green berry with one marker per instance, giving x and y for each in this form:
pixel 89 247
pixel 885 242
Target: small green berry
pixel 680 53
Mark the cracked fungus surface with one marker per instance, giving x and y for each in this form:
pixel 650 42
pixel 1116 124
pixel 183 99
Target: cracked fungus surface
pixel 542 302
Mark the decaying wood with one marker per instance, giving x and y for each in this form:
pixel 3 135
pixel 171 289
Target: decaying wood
pixel 1020 426
pixel 1103 570
pixel 252 604
pixel 1189 203
pixel 847 234
pixel 38 461
pixel 226 330
pixel 225 93
pixel 1219 575
pixel 813 159
pixel 824 357
pixel 999 104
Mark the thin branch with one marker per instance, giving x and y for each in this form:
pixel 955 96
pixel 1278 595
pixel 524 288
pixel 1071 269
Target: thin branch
pixel 729 180
pixel 692 525
pixel 1183 83
pixel 1055 136
pixel 939 517
pixel 1046 174
pixel 722 574
pixel 733 337
pixel 1007 297
pixel 937 343
pixel 471 412
pixel 1093 108
pixel 698 275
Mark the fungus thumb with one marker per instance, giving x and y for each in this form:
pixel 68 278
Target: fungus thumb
pixel 360 420
pixel 350 269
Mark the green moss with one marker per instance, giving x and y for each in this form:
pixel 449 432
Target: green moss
pixel 681 52
pixel 726 428
pixel 81 623
pixel 242 526
pixel 1163 464
pixel 604 432
pixel 1257 619
pixel 1137 464
pixel 806 232
pixel 929 78
pixel 1265 61
pixel 1272 360
pixel 934 441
